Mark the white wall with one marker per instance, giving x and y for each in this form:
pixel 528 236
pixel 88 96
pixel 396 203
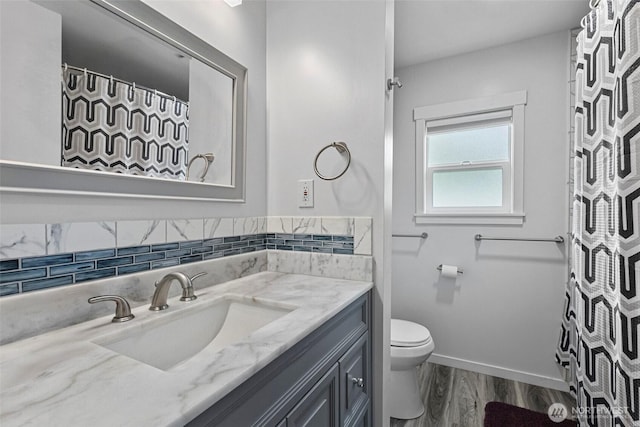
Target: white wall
pixel 238 32
pixel 502 316
pixel 325 83
pixel 30 46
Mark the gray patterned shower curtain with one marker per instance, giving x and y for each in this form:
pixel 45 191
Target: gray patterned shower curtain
pixel 113 126
pixel 599 342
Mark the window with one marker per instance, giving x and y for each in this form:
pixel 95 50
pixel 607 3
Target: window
pixel 469 159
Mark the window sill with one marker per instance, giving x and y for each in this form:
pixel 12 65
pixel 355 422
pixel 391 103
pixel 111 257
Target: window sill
pixel 481 219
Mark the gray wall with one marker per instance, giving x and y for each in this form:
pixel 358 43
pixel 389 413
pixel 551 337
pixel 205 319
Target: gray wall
pixel 30 110
pixel 503 315
pixel 326 82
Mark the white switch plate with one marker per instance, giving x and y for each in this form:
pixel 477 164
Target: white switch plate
pixel 305 193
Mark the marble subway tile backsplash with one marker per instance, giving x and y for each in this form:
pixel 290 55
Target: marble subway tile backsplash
pixel 302 225
pixel 18 240
pixel 80 236
pixel 279 224
pixel 180 230
pixel 249 225
pixel 349 267
pixel 362 237
pixel 38 256
pixel 136 233
pixel 340 226
pixel 218 227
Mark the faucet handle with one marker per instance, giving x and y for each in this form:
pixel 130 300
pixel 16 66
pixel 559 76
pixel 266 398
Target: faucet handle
pixel 123 309
pixel 195 276
pixel 187 293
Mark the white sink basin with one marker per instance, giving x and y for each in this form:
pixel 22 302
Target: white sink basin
pixel 174 337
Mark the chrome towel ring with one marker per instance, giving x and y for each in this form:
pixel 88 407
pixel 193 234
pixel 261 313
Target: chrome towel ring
pixel 342 149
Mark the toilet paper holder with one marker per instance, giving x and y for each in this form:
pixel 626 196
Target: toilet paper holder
pixel 460 271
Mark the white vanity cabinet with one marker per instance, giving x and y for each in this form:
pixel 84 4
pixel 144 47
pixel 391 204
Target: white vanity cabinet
pixel 323 381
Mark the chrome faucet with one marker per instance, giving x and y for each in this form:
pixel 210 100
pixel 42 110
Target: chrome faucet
pixel 159 299
pixel 123 309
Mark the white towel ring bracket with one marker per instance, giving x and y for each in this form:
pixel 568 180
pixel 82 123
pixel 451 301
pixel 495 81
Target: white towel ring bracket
pixel 342 148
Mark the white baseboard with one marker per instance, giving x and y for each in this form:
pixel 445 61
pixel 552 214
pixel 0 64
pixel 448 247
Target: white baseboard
pixel 496 371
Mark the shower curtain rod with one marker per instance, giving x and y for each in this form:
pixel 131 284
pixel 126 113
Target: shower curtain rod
pixel 133 84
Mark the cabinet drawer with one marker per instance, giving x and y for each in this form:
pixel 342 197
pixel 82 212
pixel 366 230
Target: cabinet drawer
pixel 355 381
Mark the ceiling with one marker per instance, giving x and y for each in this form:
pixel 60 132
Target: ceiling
pixel 430 29
pixel 424 30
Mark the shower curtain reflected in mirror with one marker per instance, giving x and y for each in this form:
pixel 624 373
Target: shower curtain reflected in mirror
pixel 110 125
pixel 599 343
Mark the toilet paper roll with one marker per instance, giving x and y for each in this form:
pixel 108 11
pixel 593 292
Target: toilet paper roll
pixel 449 271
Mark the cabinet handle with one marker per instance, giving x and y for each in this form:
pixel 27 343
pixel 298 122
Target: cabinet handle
pixel 358 382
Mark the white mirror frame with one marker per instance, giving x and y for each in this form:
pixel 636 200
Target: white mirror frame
pixel 33 178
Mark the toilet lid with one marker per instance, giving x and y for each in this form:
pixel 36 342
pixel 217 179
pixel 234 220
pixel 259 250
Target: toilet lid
pixel 408 334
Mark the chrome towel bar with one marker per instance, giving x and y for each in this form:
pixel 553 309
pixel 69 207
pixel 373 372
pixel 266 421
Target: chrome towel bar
pixel 557 239
pixel 424 235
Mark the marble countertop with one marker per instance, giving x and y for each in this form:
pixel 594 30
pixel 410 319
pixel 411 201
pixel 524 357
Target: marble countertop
pixel 62 378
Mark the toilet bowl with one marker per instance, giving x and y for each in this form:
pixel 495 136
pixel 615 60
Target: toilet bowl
pixel 411 345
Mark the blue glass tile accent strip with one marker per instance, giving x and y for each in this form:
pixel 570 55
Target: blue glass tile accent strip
pixel 33 273
pixel 10 289
pixel 95 274
pixel 149 257
pixel 134 268
pixel 43 261
pixel 202 250
pixel 33 285
pixel 20 275
pixel 9 264
pixel 71 268
pixel 91 255
pixel 113 262
pixel 165 263
pixel 133 250
pixel 192 258
pixel 178 253
pixel 216 240
pixel 191 244
pixel 328 244
pixel 165 247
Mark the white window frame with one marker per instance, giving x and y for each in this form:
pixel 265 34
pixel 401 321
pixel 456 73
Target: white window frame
pixel 494 108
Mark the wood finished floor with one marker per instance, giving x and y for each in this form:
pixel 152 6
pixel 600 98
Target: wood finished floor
pixel 456 398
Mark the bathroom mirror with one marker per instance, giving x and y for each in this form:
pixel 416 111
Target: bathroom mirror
pixel 197 97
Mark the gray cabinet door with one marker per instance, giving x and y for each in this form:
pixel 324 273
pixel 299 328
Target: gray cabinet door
pixel 355 382
pixel 319 407
pixel 362 421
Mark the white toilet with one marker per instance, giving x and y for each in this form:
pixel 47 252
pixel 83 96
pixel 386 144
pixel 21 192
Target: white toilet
pixel 411 345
